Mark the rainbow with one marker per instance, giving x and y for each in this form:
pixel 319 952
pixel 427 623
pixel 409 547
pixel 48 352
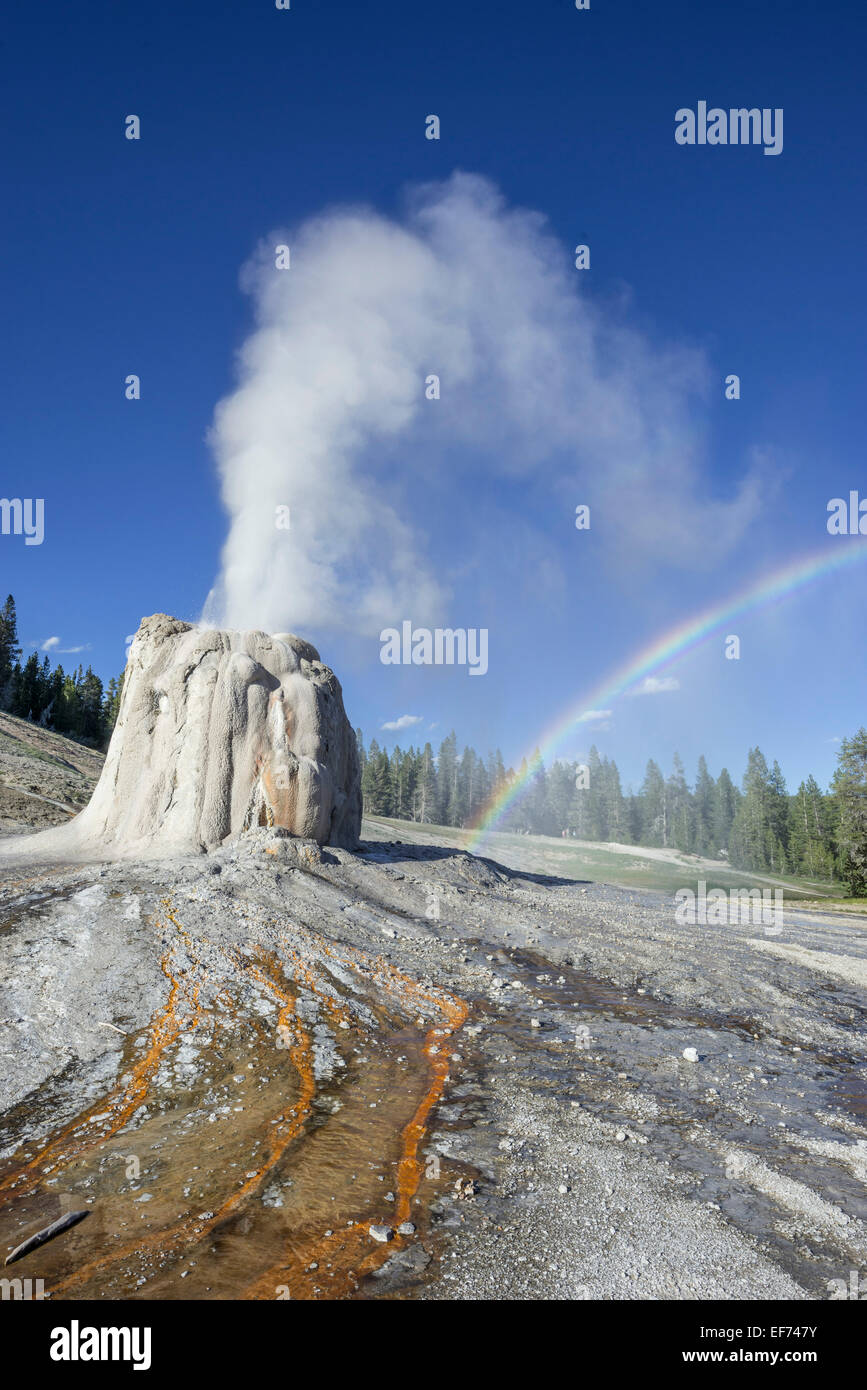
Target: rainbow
pixel 663 652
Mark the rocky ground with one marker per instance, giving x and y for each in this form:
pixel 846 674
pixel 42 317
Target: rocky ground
pixel 280 1072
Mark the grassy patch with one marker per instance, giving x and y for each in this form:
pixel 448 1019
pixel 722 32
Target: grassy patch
pixel 625 865
pixel 27 750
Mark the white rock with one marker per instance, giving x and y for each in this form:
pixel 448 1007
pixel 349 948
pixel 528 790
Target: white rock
pixel 690 1054
pixel 218 732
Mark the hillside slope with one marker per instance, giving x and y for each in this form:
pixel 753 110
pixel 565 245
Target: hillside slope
pixel 45 778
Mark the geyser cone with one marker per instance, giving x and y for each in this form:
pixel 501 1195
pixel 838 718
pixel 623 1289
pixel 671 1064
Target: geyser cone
pixel 218 732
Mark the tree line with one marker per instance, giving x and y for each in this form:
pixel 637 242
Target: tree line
pixel 73 703
pixel 757 825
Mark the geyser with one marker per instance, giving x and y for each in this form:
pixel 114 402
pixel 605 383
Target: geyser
pixel 219 732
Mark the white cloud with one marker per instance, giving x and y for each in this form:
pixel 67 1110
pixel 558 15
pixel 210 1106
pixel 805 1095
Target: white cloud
pixel 654 685
pixel 536 379
pixel 52 644
pixel 405 721
pixel 590 716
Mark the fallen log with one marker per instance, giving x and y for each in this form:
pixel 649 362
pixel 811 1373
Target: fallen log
pixel 63 1223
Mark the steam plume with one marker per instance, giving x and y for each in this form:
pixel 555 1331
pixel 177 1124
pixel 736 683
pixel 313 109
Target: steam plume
pixel 535 376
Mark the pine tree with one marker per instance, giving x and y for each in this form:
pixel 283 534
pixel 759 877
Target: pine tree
pixel 632 805
pixel 725 804
pixel 515 817
pixel 654 823
pixel 447 781
pixel 535 796
pixel 752 838
pixel 561 788
pixel 580 808
pixel 778 819
pixel 26 683
pixel 468 784
pixel 597 810
pixel 483 791
pixel 10 651
pixel 376 785
pixel 849 786
pixel 678 806
pixel 359 743
pixel 91 707
pixel 427 794
pixel 809 832
pixel 496 773
pixel 397 782
pixel 612 812
pixel 703 809
pixel 112 705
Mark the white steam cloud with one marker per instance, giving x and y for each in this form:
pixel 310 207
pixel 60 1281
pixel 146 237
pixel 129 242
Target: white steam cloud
pixel 534 377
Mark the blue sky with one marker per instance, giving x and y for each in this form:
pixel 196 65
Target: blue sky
pixel 124 257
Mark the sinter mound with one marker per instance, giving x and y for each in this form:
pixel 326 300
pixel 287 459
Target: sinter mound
pixel 217 732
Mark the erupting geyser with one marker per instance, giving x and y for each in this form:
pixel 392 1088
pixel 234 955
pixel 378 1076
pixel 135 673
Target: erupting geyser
pixel 218 732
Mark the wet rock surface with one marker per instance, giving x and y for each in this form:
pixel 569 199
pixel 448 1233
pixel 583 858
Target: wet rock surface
pixel 244 1061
